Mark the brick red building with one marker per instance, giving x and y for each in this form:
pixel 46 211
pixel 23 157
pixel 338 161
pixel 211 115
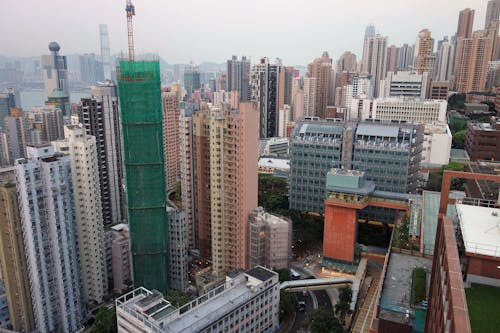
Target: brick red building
pixel 483 140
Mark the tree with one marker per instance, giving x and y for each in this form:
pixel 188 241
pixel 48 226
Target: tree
pixel 491 105
pixel 105 321
pixel 456 102
pixel 177 298
pixel 288 304
pixel 436 178
pixel 284 274
pixel 459 139
pixel 321 321
pixel 343 306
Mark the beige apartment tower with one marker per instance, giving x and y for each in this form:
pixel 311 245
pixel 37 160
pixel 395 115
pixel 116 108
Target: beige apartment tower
pixel 424 58
pixel 225 153
pixel 12 256
pixel 321 70
pixel 171 138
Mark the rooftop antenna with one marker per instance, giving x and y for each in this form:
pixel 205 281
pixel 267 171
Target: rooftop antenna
pixel 130 9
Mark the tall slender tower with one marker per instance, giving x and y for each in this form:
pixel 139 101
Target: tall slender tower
pixel 492 12
pixel 424 57
pixel 374 60
pixel 238 77
pixel 45 190
pixel 89 228
pixel 105 51
pixel 171 138
pixel 12 256
pixel 321 70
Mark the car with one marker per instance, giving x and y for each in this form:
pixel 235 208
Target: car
pixel 302 306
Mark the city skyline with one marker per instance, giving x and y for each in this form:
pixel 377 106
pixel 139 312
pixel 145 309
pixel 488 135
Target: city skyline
pixel 272 32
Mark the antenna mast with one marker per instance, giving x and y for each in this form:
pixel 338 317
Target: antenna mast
pixel 130 9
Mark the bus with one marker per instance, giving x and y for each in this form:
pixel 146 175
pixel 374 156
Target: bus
pixel 294 274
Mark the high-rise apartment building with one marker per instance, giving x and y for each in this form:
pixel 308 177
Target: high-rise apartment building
pixel 45 124
pixel 374 59
pixel 392 58
pixel 55 71
pixel 445 60
pixel 389 154
pixel 4 149
pixel 8 99
pixel 321 70
pixel 178 232
pixel 139 91
pixel 465 23
pixel 405 57
pixel 45 190
pixel 121 261
pixel 16 126
pixel 171 138
pixel 270 243
pixel 246 302
pixel 88 221
pixel 12 256
pixel 347 62
pixel 265 89
pixel 424 57
pixel 472 57
pixel 238 77
pixel 99 116
pixel 105 51
pixel 225 157
pixel 285 86
pixel 492 13
pixel 309 91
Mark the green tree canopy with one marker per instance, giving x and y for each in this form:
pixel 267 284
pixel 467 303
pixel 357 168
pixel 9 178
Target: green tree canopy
pixel 343 306
pixel 321 321
pixel 105 321
pixel 459 139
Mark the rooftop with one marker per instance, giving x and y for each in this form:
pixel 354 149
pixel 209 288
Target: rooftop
pixel 480 229
pixel 395 298
pixel 279 163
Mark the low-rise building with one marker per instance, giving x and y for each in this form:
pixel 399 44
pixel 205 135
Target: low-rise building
pixel 483 140
pixel 436 148
pixel 247 302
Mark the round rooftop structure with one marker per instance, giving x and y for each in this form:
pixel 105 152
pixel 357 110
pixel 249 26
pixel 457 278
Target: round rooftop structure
pixel 54 47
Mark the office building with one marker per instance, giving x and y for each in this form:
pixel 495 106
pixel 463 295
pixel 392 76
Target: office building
pixel 492 13
pixel 12 256
pixel 264 83
pixel 88 221
pixel 439 90
pixel 99 116
pixel 225 154
pixel 191 79
pixel 105 51
pixel 91 70
pixel 482 140
pixel 408 110
pixel 270 243
pixel 277 147
pixel 405 84
pixel 374 61
pixel 389 154
pixel 238 77
pixel 55 72
pixel 171 139
pixel 424 56
pixel 321 70
pixel 247 302
pixel 121 263
pixel 46 203
pixel 139 92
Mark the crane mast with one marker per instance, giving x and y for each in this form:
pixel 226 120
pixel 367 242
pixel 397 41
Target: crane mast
pixel 130 9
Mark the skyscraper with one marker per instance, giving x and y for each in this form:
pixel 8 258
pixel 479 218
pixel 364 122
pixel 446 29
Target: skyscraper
pixel 171 138
pixel 265 90
pixel 405 56
pixel 16 126
pixel 45 124
pixel 492 12
pixel 191 79
pixel 55 71
pixel 238 77
pixel 347 62
pixel 465 23
pixel 99 116
pixel 392 58
pixel 139 91
pixel 374 60
pixel 82 152
pixel 91 70
pixel 445 60
pixel 45 190
pixel 225 156
pixel 8 99
pixel 285 86
pixel 12 256
pixel 321 70
pixel 424 57
pixel 310 87
pixel 105 52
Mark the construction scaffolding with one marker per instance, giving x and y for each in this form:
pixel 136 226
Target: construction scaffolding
pixel 139 91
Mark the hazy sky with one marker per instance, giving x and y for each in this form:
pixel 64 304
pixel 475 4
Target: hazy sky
pixel 213 30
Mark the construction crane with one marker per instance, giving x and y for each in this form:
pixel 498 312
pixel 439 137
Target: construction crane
pixel 130 9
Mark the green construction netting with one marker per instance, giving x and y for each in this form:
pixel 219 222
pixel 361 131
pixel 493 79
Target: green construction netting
pixel 139 91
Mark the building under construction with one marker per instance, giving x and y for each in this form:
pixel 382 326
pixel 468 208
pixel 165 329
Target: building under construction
pixel 139 91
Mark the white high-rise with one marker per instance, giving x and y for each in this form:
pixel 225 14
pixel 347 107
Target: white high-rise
pixel 310 86
pixel 374 60
pixel 88 215
pixel 46 206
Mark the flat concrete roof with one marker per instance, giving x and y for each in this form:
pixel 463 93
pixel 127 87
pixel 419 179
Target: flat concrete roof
pixel 480 229
pixel 395 298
